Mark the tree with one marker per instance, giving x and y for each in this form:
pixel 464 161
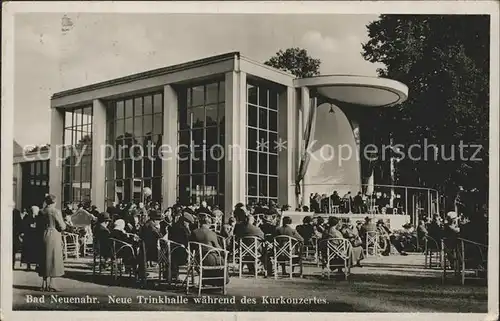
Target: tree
pixel 444 60
pixel 295 61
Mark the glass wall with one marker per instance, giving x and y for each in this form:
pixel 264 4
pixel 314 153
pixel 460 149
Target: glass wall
pixel 201 144
pixel 35 183
pixel 134 127
pixel 77 165
pixel 262 137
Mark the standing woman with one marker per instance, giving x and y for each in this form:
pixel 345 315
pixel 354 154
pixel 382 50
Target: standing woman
pixel 51 256
pixel 31 239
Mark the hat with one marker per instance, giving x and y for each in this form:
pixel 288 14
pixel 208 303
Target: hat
pixel 380 221
pixel 154 215
pixel 104 216
pixel 452 215
pixel 50 198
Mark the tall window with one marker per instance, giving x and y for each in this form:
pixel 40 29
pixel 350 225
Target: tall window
pixel 77 165
pixel 135 129
pixel 201 144
pixel 35 182
pixel 262 137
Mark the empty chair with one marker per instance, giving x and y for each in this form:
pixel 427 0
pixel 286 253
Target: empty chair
pixel 432 250
pixel 71 245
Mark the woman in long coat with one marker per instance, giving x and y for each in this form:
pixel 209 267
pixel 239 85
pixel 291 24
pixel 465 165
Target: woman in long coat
pixel 51 256
pixel 31 238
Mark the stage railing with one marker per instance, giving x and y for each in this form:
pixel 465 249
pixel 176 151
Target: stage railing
pixel 417 202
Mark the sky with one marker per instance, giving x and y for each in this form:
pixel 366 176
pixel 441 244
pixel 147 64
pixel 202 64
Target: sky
pixel 55 53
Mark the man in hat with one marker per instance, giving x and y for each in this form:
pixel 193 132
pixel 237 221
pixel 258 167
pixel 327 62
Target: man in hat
pixel 180 232
pixel 150 234
pixel 102 234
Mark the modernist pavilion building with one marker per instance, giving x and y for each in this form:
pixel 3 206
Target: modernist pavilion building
pixel 226 108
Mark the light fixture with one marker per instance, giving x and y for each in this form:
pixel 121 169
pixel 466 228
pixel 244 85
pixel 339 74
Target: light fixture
pixel 331 109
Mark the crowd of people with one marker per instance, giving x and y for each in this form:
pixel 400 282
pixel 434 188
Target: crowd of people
pixel 37 234
pixel 141 227
pixel 360 203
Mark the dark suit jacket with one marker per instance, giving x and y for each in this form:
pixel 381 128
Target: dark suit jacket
pixel 102 235
pixel 179 233
pixel 243 229
pixel 150 235
pixel 205 236
pixel 287 230
pixel 306 231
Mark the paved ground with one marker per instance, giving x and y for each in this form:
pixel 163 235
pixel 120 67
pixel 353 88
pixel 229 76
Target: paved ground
pixel 384 284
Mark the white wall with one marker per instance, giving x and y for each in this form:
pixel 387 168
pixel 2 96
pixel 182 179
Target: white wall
pixel 330 167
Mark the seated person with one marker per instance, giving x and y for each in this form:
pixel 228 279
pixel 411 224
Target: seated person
pixel 267 226
pixel 102 234
pixel 350 232
pixel 150 234
pixel 180 233
pixel 287 230
pixel 334 233
pixel 127 254
pixel 248 228
pixel 203 209
pixel 422 231
pixel 306 230
pixel 204 235
pixel 367 227
pixel 386 232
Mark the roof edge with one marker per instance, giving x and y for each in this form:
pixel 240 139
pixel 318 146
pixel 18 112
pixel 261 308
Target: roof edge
pixel 148 74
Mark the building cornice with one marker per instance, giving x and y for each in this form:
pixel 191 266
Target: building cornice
pixel 148 74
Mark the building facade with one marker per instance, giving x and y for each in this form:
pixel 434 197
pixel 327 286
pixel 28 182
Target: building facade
pixel 31 177
pixel 224 129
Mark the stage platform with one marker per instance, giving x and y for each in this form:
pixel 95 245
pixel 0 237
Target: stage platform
pixel 393 221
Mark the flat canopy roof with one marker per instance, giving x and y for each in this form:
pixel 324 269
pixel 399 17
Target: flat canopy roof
pixel 358 90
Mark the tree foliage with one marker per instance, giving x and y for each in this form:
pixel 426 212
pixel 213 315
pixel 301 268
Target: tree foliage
pixel 296 61
pixel 444 60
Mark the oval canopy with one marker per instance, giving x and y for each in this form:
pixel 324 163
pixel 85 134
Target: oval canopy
pixel 358 90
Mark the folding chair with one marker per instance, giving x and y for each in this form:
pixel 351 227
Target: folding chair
pixel 198 255
pixel 218 223
pixel 71 245
pixel 433 253
pixel 472 260
pixel 165 250
pixel 118 248
pixel 287 250
pixel 311 250
pixel 372 246
pixel 87 244
pixel 337 250
pixel 250 250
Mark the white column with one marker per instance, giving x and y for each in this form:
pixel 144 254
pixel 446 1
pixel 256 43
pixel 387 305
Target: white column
pixel 286 132
pixel 98 184
pixel 169 152
pixel 305 104
pixel 56 153
pixel 235 144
